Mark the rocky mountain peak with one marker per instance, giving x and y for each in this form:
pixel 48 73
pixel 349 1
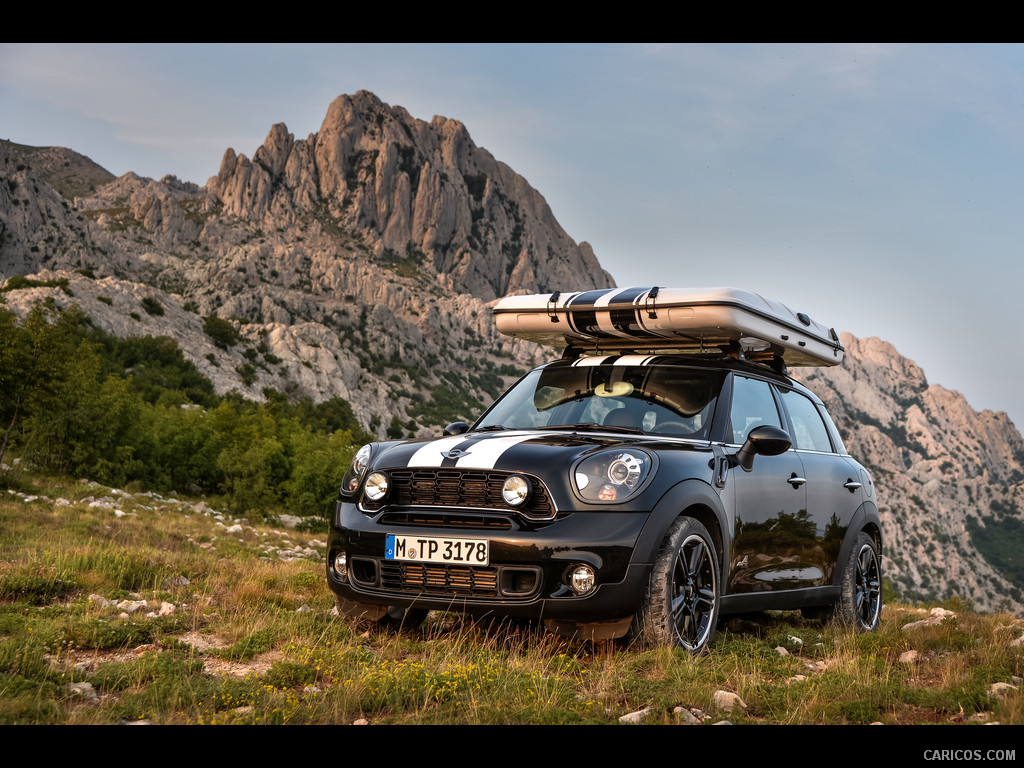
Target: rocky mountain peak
pixel 410 187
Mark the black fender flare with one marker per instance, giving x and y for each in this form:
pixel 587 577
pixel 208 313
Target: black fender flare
pixel 693 498
pixel 865 519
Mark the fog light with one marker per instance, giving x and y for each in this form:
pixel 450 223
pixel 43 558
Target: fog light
pixel 376 486
pixel 582 579
pixel 341 566
pixel 516 490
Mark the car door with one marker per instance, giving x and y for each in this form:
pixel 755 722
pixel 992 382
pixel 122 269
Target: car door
pixel 771 530
pixel 833 481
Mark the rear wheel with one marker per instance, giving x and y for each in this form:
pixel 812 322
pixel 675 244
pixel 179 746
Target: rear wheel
pixel 860 602
pixel 681 605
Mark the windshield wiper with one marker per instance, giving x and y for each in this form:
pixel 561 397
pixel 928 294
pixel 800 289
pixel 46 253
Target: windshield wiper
pixel 591 426
pixel 491 428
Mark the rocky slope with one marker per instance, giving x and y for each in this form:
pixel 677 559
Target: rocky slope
pixel 357 262
pixel 360 261
pixel 944 472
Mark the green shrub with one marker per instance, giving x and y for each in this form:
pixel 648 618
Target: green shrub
pixel 152 306
pixel 222 332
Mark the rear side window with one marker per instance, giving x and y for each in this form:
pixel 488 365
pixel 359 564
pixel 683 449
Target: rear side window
pixel 837 440
pixel 809 431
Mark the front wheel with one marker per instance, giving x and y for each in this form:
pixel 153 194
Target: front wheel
pixel 681 604
pixel 860 603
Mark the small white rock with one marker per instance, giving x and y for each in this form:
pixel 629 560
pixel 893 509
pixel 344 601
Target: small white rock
pixel 999 690
pixel 685 716
pixel 635 717
pixel 84 690
pixel 727 701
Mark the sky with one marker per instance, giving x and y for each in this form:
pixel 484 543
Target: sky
pixel 877 188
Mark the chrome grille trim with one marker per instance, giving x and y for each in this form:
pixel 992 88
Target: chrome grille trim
pixel 427 518
pixel 451 488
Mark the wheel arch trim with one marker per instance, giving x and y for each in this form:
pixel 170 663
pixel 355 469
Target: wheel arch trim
pixel 864 520
pixel 690 498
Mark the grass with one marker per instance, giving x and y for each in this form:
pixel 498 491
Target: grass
pixel 247 637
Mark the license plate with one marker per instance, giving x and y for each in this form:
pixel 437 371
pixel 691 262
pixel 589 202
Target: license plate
pixel 436 549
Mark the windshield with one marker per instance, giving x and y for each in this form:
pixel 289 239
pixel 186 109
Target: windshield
pixel 651 399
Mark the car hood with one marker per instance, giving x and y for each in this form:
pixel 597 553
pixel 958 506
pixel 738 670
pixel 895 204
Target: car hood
pixel 519 450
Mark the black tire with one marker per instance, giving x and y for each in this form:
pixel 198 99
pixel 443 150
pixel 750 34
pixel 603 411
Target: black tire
pixel 860 602
pixel 681 604
pixel 394 618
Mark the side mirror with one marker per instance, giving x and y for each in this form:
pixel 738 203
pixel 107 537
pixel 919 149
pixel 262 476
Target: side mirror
pixel 762 441
pixel 456 428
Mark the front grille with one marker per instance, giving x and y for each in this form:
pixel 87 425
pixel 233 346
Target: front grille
pixel 442 580
pixel 437 519
pixel 460 488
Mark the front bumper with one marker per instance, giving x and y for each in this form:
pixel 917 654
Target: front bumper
pixel 526 575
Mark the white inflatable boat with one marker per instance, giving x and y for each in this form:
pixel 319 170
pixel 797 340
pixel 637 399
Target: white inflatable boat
pixel 700 320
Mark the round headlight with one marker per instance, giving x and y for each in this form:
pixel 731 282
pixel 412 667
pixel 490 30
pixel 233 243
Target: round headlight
pixel 612 475
pixel 376 486
pixel 356 470
pixel 625 470
pixel 516 490
pixel 582 579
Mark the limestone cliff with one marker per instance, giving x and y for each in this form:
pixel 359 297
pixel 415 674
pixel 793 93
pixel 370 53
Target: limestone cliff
pixel 409 187
pixel 357 262
pixel 945 473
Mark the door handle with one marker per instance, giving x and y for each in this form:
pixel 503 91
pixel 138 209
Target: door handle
pixel 795 481
pixel 853 485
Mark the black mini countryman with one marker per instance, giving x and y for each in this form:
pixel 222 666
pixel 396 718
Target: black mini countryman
pixel 617 495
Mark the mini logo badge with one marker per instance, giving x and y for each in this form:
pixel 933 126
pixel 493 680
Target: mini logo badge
pixel 454 453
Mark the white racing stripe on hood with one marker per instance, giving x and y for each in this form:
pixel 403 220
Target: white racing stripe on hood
pixel 481 453
pixel 485 453
pixel 430 454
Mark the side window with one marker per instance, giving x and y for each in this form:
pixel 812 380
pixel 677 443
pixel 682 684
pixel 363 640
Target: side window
pixel 809 431
pixel 837 440
pixel 752 406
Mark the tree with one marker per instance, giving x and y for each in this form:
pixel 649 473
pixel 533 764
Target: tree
pixel 221 331
pixel 45 369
